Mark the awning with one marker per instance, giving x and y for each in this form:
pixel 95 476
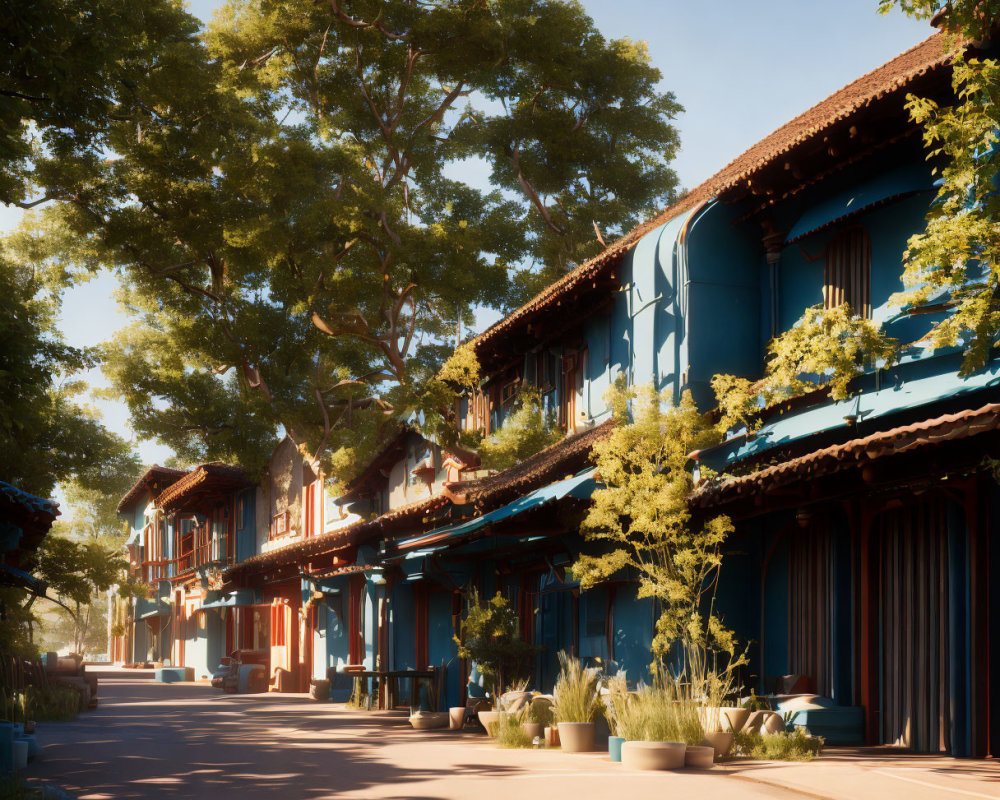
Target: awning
pixel 241 597
pixel 898 183
pixel 134 537
pixel 580 486
pixel 147 609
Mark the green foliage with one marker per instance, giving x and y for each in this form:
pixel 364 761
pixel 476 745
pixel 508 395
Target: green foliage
pixel 509 730
pixel 575 693
pixel 641 516
pixel 462 368
pixel 285 213
pixel 783 746
pixel 825 348
pixel 40 413
pixel 490 637
pixel 663 712
pixel 526 430
pixel 70 70
pixel 540 710
pixel 955 261
pixel 971 19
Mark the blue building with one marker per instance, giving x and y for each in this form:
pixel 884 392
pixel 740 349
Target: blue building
pixel 860 570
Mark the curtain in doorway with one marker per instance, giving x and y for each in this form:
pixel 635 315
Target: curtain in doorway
pixel 810 605
pixel 914 610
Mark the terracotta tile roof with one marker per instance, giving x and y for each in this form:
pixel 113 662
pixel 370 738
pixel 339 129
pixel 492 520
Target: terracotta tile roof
pixel 556 461
pixel 890 77
pixel 340 539
pixel 303 551
pixel 155 474
pixel 853 454
pixel 221 475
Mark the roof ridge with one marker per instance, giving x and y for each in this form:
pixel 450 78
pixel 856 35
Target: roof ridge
pixel 726 177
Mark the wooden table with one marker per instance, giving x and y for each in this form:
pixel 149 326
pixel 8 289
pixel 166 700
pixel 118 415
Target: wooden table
pixel 387 682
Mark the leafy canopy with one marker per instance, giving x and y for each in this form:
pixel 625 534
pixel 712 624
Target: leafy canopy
pixel 825 348
pixel 956 259
pixel 642 521
pixel 526 430
pixel 297 220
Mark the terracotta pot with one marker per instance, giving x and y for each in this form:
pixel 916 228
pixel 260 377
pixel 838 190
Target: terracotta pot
pixel 733 718
pixel 699 756
pixel 576 737
pixel 489 720
pixel 615 747
pixel 319 689
pixel 720 741
pixel 426 720
pixel 551 736
pixel 534 729
pixel 456 717
pixel 653 755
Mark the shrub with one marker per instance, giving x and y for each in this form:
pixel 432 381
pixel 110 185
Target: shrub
pixel 576 698
pixel 491 638
pixel 794 746
pixel 540 711
pixel 509 731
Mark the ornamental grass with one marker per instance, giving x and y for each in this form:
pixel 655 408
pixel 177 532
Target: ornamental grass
pixel 576 696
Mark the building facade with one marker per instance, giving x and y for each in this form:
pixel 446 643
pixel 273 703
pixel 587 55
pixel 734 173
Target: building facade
pixel 866 546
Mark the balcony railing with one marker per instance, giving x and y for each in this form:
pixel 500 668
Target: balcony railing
pixel 205 551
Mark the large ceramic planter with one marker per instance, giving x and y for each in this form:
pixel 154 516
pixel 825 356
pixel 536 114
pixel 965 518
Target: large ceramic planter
pixel 653 755
pixel 733 718
pixel 699 756
pixel 720 741
pixel 755 720
pixel 426 720
pixel 615 747
pixel 456 717
pixel 773 723
pixel 489 720
pixel 576 737
pixel 535 730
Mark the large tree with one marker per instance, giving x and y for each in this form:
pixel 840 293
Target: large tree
pixel 297 221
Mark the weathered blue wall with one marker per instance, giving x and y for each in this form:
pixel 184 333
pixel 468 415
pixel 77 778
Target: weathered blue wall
pixel 246 535
pixel 633 633
pixel 441 647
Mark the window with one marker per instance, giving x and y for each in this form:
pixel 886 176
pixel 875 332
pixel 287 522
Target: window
pixel 847 277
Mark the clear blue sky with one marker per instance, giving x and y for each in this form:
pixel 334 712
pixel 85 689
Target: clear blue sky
pixel 739 68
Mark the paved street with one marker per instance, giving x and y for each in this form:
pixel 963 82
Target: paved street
pixel 149 740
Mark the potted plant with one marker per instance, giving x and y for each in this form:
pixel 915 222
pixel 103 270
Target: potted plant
pixel 660 741
pixel 576 703
pixel 490 637
pixel 539 715
pixel 618 712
